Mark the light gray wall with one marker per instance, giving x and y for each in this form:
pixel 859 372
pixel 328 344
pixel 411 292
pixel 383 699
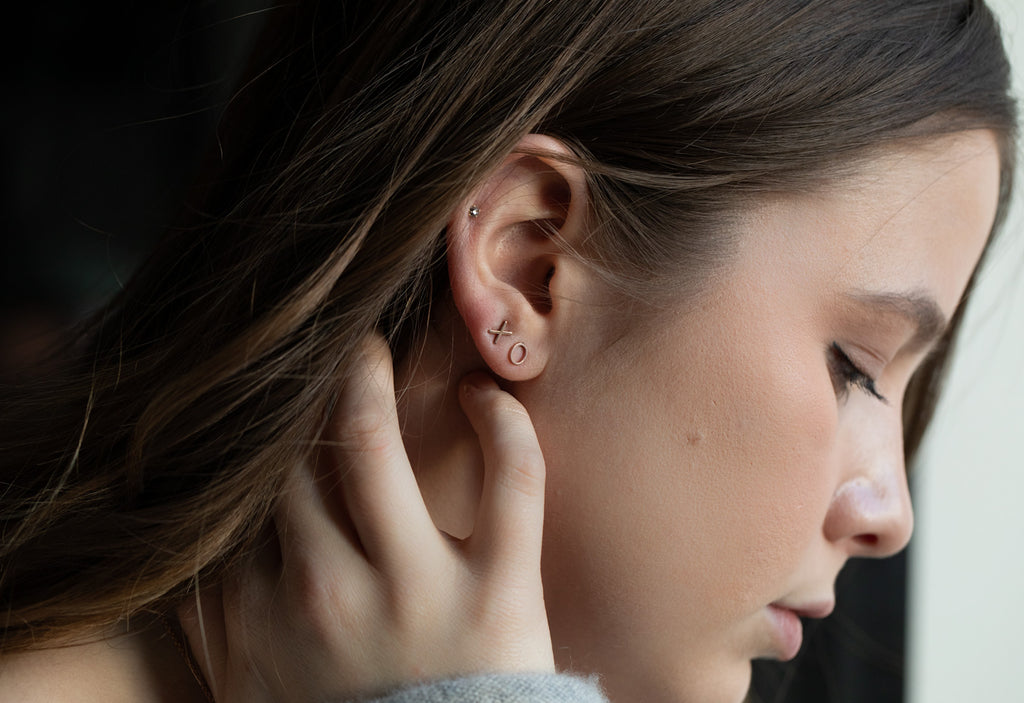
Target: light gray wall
pixel 966 636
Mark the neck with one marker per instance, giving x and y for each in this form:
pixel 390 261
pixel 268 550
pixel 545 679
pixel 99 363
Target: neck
pixel 137 665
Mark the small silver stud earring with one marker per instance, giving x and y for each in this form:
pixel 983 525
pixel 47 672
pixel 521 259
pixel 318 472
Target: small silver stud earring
pixel 501 331
pixel 474 211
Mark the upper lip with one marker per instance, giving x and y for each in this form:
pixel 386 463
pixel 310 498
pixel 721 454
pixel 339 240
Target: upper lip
pixel 814 609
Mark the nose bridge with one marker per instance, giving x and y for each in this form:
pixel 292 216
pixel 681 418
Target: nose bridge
pixel 870 513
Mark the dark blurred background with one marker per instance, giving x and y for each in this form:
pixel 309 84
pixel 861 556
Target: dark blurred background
pixel 857 654
pixel 107 111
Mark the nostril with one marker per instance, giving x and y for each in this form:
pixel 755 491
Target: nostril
pixel 868 540
pixel 871 513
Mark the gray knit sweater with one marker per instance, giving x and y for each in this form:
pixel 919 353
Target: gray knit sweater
pixel 501 688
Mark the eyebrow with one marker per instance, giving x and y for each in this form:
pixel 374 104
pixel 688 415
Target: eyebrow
pixel 917 308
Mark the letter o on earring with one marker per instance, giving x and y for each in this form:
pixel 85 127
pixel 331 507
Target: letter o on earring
pixel 517 354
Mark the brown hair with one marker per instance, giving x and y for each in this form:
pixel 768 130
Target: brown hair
pixel 154 454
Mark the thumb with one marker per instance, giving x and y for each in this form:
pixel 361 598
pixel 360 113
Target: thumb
pixel 510 521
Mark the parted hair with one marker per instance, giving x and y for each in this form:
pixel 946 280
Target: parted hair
pixel 151 456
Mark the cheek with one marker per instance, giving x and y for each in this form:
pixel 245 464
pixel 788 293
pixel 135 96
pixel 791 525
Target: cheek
pixel 696 474
pixel 759 481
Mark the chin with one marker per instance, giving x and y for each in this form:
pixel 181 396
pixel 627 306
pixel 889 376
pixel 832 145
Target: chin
pixel 735 690
pixel 730 685
pixel 701 682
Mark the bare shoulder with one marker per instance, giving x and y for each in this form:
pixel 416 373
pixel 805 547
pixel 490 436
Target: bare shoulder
pixel 75 673
pixel 124 668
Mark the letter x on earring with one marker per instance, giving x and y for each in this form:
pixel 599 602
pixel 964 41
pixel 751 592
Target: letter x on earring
pixel 501 331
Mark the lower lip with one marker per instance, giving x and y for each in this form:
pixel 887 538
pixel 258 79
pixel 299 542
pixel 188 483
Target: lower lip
pixel 789 633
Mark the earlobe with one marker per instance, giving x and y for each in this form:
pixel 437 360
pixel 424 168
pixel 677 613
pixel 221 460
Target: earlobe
pixel 518 352
pixel 505 250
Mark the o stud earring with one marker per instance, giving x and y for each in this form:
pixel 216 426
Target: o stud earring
pixel 474 211
pixel 501 331
pixel 517 354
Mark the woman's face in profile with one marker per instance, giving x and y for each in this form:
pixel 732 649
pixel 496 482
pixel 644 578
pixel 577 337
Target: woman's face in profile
pixel 740 447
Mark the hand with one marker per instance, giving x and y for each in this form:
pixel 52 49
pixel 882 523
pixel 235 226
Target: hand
pixel 356 591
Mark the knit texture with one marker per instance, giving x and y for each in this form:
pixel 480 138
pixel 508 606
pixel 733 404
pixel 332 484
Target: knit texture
pixel 501 688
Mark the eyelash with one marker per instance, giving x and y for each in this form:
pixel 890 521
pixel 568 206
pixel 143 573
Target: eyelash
pixel 850 375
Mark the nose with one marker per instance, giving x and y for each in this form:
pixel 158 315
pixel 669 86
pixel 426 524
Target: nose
pixel 870 514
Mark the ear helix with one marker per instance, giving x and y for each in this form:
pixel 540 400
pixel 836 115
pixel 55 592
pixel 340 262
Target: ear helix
pixel 518 352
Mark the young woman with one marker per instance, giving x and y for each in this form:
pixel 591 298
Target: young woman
pixel 677 280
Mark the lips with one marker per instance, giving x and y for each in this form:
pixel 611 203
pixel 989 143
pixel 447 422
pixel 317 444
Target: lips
pixel 812 610
pixel 789 633
pixel 788 630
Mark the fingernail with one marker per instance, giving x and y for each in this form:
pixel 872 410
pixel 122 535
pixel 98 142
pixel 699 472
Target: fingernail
pixel 475 381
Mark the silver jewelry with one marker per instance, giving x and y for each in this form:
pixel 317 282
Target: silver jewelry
pixel 501 331
pixel 474 211
pixel 522 356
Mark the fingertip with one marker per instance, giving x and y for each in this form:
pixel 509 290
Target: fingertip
pixel 476 381
pixel 374 346
pixel 476 391
pixel 375 358
pixel 366 398
pixel 375 352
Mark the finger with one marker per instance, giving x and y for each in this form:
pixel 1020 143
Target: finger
pixel 313 528
pixel 380 490
pixel 253 622
pixel 510 520
pixel 248 591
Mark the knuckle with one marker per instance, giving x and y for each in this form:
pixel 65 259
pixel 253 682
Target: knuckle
pixel 508 614
pixel 407 604
pixel 517 449
pixel 315 605
pixel 309 590
pixel 364 431
pixel 418 595
pixel 505 405
pixel 524 475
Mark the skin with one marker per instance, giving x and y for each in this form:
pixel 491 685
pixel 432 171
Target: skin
pixel 118 666
pixel 732 475
pixel 703 462
pixel 710 459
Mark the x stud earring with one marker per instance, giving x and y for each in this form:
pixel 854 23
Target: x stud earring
pixel 501 331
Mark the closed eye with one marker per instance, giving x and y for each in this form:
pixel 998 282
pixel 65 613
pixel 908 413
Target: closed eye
pixel 846 375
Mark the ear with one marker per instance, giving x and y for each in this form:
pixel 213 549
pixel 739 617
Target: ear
pixel 503 257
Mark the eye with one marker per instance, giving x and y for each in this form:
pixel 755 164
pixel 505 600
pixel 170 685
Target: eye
pixel 846 375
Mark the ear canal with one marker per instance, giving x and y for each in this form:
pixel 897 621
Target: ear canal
pixel 541 298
